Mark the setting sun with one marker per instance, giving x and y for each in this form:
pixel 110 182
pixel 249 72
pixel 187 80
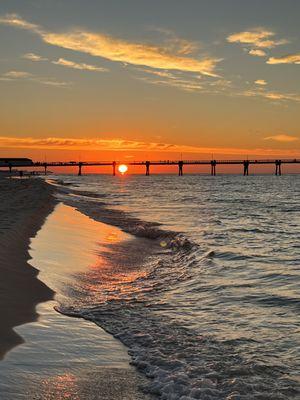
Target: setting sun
pixel 122 168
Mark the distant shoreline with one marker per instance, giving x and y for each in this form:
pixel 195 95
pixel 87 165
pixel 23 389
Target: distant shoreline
pixel 24 205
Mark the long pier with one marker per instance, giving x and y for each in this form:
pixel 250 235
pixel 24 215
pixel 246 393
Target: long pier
pixel 9 163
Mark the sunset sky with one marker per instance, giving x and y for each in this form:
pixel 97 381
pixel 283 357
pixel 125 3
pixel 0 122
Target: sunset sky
pixel 149 79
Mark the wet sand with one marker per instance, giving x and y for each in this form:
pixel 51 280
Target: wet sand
pixel 24 205
pixel 60 357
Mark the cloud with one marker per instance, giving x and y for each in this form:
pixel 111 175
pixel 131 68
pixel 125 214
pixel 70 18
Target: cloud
pixel 52 82
pixel 282 138
pixel 82 66
pixel 275 96
pixel 160 73
pixel 215 87
pixel 290 59
pixel 34 57
pixel 16 74
pixel 57 143
pixel 257 52
pixel 261 82
pixel 175 43
pixel 258 37
pixel 183 84
pixel 65 63
pixel 182 81
pixel 119 50
pixel 16 21
pixel 281 96
pixel 12 76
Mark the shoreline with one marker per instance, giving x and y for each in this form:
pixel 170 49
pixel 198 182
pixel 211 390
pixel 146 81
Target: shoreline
pixel 24 206
pixel 27 206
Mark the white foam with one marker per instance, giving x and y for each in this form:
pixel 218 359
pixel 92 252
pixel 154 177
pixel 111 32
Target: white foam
pixel 181 363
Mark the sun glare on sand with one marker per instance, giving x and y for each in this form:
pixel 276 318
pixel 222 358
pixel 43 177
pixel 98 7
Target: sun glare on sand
pixel 123 168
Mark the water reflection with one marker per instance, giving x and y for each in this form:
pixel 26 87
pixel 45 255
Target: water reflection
pixel 61 387
pixel 58 350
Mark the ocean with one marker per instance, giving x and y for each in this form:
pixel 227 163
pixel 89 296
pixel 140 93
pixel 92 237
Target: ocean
pixel 204 289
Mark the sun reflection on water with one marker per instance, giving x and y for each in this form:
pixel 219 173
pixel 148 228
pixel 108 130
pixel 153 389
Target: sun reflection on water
pixel 61 387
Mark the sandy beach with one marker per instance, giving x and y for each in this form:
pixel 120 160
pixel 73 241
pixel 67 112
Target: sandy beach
pixel 24 204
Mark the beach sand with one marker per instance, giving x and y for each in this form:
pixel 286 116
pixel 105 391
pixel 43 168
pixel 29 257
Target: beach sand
pixel 24 205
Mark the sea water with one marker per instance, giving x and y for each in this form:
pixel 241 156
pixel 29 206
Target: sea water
pixel 206 293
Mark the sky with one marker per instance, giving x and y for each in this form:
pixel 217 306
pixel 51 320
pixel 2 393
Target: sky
pixel 136 79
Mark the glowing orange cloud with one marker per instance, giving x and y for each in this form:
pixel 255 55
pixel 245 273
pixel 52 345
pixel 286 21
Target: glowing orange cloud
pixel 258 37
pixel 56 143
pixel 290 59
pixel 115 49
pixel 282 138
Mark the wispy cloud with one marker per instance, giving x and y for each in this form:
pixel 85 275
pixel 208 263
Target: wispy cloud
pixel 160 73
pixel 176 44
pixel 289 59
pixel 257 53
pixel 119 50
pixel 128 52
pixel 257 37
pixel 12 76
pixel 187 85
pixel 65 63
pixel 282 138
pixel 34 57
pixel 82 66
pixel 17 74
pixel 270 95
pixel 15 21
pixel 183 81
pixel 215 87
pixel 58 143
pixel 281 96
pixel 260 82
pixel 52 82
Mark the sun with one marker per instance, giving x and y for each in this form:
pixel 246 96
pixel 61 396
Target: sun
pixel 122 168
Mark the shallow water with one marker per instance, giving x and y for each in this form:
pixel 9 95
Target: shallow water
pixel 207 295
pixel 63 357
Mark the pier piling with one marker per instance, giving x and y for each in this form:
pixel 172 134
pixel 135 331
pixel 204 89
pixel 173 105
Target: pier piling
pixel 180 167
pixel 147 168
pixel 213 164
pixel 246 167
pixel 79 169
pixel 277 167
pixel 45 168
pixel 114 168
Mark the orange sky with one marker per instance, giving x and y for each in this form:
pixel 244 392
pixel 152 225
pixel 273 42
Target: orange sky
pixel 159 83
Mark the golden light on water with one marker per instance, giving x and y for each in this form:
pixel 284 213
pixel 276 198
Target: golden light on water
pixel 122 168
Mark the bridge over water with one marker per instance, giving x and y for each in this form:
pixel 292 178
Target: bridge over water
pixel 245 164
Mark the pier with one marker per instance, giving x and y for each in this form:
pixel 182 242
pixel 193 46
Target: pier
pixel 245 164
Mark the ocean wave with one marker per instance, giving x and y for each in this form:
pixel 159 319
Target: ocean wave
pixel 182 364
pixel 279 301
pixel 231 256
pixel 100 211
